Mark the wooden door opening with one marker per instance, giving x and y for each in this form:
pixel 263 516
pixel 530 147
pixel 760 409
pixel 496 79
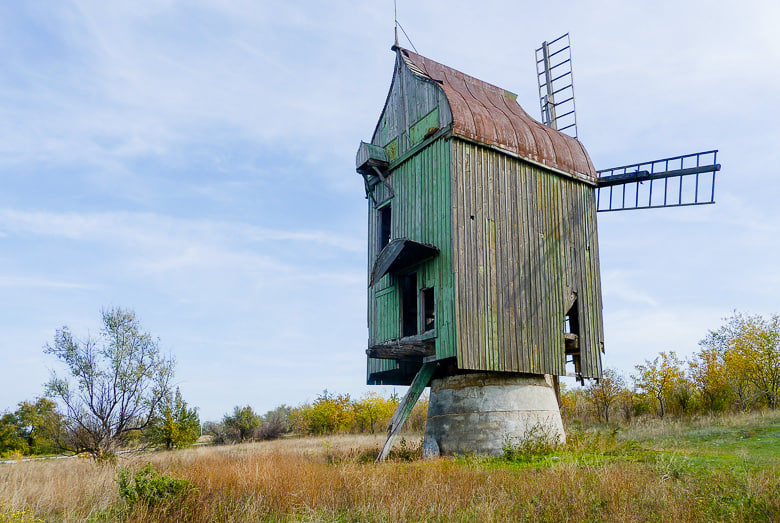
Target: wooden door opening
pixel 409 308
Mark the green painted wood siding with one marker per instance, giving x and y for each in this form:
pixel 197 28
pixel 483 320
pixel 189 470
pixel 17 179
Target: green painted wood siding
pixel 413 106
pixel 421 208
pixel 421 211
pixel 524 239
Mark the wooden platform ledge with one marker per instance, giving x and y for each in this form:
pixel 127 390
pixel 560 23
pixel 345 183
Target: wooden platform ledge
pixel 409 348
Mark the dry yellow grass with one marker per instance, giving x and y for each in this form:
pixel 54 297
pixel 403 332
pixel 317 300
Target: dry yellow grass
pixel 70 489
pixel 324 479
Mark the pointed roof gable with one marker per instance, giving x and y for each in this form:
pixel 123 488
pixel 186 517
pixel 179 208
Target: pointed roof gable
pixel 490 115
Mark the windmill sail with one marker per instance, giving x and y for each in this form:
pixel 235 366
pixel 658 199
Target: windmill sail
pixel 556 85
pixel 669 182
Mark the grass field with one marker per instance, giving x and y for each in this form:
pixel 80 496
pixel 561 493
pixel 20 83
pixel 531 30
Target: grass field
pixel 720 469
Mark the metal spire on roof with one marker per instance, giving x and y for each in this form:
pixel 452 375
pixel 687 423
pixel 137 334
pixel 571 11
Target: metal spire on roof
pixel 397 25
pixel 395 20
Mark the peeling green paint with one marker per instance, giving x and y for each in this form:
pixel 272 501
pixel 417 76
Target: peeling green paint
pixel 426 126
pixel 392 150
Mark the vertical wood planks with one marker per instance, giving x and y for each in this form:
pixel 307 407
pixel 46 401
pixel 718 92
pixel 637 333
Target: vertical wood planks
pixel 531 243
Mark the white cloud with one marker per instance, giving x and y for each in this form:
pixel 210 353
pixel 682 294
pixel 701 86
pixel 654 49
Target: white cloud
pixel 155 230
pixel 625 287
pixel 28 282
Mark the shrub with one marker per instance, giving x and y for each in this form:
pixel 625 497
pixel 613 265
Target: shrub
pixel 149 487
pixel 242 424
pixel 537 440
pixel 271 429
pixel 174 424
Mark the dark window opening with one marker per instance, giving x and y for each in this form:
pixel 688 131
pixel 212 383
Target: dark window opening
pixel 571 326
pixel 571 322
pixel 385 228
pixel 428 309
pixel 409 304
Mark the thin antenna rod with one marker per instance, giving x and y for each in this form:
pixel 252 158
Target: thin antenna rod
pixel 398 24
pixel 395 21
pixel 407 37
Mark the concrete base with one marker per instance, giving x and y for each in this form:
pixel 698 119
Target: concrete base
pixel 479 413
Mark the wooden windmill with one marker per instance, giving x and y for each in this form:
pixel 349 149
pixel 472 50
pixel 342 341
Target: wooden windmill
pixel 482 247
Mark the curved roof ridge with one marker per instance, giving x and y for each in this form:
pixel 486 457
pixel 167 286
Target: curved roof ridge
pixel 491 115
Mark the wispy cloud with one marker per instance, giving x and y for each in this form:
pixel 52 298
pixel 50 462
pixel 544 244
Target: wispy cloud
pixel 31 282
pixel 153 229
pixel 624 286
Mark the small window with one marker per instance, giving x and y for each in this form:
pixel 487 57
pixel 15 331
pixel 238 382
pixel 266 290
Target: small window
pixel 428 307
pixel 571 322
pixel 385 225
pixel 409 304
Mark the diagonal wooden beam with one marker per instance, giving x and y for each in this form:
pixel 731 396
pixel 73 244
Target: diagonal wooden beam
pixel 420 381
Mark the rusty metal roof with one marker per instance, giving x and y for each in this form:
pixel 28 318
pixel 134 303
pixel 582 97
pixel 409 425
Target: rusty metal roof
pixel 488 114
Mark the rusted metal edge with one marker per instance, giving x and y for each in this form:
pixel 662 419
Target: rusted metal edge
pixel 577 176
pixel 483 113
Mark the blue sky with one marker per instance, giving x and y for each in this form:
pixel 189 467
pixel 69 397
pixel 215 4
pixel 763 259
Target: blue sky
pixel 194 161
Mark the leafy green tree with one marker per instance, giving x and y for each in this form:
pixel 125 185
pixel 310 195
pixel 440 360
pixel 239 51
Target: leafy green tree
pixel 372 409
pixel 683 397
pixel 708 373
pixel 242 423
pixel 40 425
pixel 117 382
pixel 750 346
pixel 330 414
pixel 659 378
pixel 34 428
pixel 174 425
pixel 300 419
pixel 11 441
pixel 604 393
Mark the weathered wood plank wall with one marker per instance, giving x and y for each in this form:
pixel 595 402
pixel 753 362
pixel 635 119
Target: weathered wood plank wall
pixel 524 241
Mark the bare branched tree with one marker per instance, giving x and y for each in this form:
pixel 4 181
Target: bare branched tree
pixel 116 382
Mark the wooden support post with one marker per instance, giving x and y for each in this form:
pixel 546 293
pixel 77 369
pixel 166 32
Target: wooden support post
pixel 401 414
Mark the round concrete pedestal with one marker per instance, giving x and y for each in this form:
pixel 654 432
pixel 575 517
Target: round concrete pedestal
pixel 479 413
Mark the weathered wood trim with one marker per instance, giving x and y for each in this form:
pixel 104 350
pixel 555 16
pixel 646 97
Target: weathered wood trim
pixel 401 351
pixel 441 133
pixel 410 347
pixel 421 380
pixel 575 176
pixel 572 343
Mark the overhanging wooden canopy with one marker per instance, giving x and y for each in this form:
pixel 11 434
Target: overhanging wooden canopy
pixel 399 255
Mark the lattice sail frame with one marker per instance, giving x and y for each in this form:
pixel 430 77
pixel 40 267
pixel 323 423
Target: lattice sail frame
pixel 556 85
pixel 670 182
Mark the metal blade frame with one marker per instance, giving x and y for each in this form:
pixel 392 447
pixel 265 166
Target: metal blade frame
pixel 556 85
pixel 676 181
